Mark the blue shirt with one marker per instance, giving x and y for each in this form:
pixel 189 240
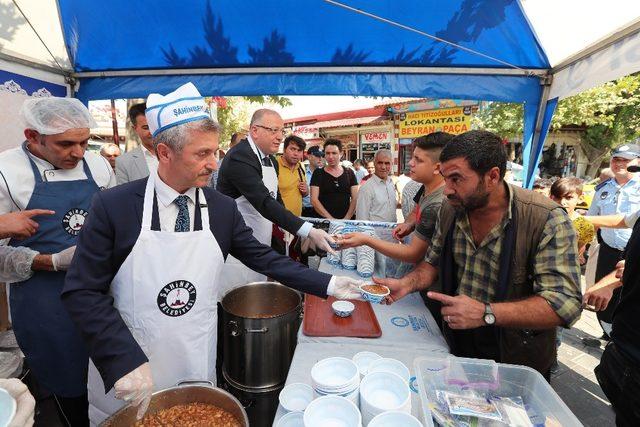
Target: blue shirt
pixel 612 198
pixel 306 200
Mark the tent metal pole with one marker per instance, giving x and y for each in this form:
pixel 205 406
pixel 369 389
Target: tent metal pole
pixel 538 129
pixel 31 64
pixel 317 70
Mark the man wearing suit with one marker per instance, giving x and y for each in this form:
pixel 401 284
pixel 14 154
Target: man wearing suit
pixel 143 286
pixel 137 163
pixel 249 175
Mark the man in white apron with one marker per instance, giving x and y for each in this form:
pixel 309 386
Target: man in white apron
pixel 249 174
pixel 143 285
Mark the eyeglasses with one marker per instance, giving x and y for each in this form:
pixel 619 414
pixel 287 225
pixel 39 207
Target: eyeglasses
pixel 272 130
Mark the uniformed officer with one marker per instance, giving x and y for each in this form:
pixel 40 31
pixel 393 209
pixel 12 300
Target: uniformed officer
pixel 618 195
pixel 52 170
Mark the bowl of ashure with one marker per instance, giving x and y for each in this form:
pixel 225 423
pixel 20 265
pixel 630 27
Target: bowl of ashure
pixel 182 405
pixel 374 293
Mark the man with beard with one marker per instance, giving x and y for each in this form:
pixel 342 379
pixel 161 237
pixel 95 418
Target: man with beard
pixel 507 260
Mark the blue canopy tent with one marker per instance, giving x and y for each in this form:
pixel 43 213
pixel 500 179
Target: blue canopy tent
pixel 463 49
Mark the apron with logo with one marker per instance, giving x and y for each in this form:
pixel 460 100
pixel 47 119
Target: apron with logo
pixel 166 294
pixel 235 273
pixel 52 346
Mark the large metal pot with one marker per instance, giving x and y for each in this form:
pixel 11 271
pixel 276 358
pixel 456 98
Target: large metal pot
pixel 261 322
pixel 182 394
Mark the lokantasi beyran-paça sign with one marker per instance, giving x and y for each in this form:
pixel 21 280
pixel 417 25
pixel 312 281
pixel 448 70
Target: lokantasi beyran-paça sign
pixel 452 120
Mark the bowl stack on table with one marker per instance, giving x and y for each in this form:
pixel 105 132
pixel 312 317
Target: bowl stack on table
pixel 350 392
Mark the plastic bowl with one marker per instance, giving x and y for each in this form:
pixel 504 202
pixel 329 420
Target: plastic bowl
pixel 363 360
pixel 390 365
pixel 292 419
pixel 334 411
pixel 295 397
pixel 395 419
pixel 371 297
pixel 384 391
pixel 343 308
pixel 334 374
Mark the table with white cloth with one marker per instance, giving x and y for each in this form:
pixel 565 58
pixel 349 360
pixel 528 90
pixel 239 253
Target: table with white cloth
pixel 309 353
pixel 408 332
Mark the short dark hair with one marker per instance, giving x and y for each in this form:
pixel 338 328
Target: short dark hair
pixel 483 150
pixel 541 184
pixel 136 110
pixel 564 186
pixel 234 137
pixel 433 143
pixel 333 141
pixel 358 162
pixel 295 140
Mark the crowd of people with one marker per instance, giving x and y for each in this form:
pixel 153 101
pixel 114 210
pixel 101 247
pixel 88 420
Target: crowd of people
pixel 97 246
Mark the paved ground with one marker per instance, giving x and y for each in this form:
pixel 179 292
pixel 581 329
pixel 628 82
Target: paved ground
pixel 575 381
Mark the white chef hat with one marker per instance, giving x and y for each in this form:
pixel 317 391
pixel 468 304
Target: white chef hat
pixel 183 105
pixel 54 115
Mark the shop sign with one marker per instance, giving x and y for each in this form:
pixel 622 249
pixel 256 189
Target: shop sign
pixel 452 120
pixel 371 137
pixel 306 132
pixel 374 146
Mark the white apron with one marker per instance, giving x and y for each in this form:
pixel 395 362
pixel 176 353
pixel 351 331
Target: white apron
pixel 166 294
pixel 235 273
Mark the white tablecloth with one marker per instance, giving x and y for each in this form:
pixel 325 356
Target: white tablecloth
pixel 307 354
pixel 404 324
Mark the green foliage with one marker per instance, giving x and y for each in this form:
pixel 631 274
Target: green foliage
pixel 610 114
pixel 237 114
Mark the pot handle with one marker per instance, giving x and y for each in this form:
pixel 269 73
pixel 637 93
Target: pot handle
pixel 237 331
pixel 191 382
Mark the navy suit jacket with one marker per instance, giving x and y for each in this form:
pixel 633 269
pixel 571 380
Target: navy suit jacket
pixel 107 237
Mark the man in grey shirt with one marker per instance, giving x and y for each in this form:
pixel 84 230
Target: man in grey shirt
pixel 425 169
pixel 137 163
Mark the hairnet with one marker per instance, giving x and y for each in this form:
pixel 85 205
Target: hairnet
pixel 53 115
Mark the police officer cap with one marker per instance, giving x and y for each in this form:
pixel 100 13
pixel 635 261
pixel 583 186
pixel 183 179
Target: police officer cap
pixel 315 151
pixel 627 151
pixel 54 115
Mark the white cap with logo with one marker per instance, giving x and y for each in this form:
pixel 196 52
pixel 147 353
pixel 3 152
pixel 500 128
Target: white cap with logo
pixel 183 105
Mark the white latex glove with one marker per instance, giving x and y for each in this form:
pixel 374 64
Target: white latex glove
pixel 321 240
pixel 25 403
pixel 343 287
pixel 62 260
pixel 136 387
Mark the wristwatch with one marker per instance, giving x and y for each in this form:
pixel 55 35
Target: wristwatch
pixel 489 317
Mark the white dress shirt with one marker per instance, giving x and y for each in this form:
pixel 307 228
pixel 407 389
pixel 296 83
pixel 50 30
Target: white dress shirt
pixel 377 200
pixel 17 182
pixel 151 159
pixel 168 210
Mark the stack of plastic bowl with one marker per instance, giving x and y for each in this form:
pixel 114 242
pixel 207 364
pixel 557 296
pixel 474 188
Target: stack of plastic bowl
pixel 390 365
pixel 292 419
pixel 366 255
pixel 394 419
pixel 334 229
pixel 336 376
pixel 332 411
pixel 364 359
pixel 296 397
pixel 349 257
pixel 381 392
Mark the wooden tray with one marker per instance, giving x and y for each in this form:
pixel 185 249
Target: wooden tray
pixel 320 321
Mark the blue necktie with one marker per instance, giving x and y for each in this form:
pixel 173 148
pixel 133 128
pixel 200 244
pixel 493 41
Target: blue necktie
pixel 182 221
